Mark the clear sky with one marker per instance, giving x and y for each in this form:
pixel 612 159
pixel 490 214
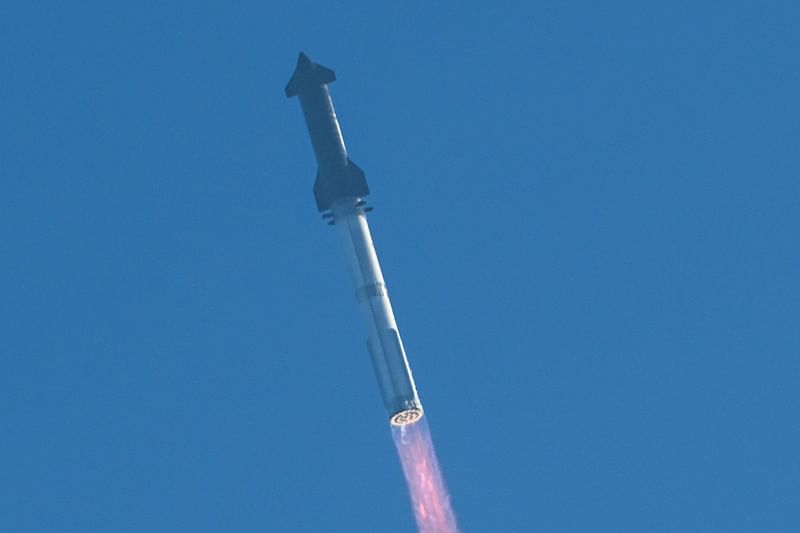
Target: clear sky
pixel 587 215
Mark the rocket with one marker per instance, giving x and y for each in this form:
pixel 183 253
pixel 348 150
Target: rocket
pixel 339 191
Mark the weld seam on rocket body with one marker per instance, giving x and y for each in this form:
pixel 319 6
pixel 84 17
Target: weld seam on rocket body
pixel 373 289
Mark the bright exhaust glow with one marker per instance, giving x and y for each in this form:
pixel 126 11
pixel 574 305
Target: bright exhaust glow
pixel 403 418
pixel 426 487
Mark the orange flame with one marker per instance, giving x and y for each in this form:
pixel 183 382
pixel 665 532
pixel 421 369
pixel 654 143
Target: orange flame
pixel 429 497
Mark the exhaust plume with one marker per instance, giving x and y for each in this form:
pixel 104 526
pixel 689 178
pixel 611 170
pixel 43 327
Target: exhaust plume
pixel 426 487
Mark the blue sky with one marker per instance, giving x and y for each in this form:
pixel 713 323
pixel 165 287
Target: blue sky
pixel 587 215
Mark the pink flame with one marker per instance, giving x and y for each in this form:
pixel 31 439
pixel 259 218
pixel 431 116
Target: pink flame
pixel 426 487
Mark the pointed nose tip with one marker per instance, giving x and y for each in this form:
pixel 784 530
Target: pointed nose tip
pixel 304 64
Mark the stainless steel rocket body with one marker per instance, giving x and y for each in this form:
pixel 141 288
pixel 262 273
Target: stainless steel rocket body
pixel 339 190
pixel 384 344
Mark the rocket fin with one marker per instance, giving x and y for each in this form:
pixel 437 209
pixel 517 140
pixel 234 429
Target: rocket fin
pixel 350 183
pixel 356 180
pixel 308 73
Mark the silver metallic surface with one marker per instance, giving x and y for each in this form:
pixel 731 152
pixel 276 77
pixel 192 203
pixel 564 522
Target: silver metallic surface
pixel 385 346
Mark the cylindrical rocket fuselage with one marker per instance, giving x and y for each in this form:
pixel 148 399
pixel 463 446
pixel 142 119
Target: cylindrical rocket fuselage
pixel 339 190
pixel 323 128
pixel 384 344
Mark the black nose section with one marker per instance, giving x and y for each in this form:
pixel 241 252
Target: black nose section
pixel 307 75
pixel 304 63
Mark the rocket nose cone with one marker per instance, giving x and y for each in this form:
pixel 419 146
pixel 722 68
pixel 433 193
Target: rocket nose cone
pixel 304 64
